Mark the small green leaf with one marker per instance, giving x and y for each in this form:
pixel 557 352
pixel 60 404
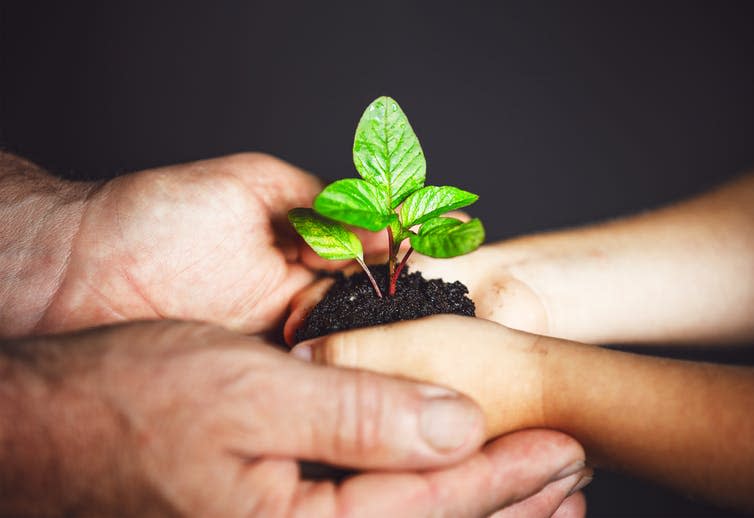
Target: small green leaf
pixel 431 201
pixel 386 151
pixel 448 237
pixel 326 237
pixel 399 232
pixel 355 202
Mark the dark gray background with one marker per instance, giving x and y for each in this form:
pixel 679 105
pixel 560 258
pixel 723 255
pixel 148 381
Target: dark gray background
pixel 557 114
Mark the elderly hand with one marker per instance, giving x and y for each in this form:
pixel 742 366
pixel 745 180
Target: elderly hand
pixel 188 419
pixel 206 241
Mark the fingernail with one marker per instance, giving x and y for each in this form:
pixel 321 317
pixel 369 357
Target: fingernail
pixel 569 470
pixel 447 423
pixel 302 351
pixel 581 484
pixel 435 391
pixel 305 350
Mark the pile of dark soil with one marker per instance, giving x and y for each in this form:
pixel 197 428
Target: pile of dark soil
pixel 352 302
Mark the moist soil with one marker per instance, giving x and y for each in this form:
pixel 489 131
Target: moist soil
pixel 351 302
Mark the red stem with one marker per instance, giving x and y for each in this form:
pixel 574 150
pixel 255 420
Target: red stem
pixel 391 253
pixel 394 278
pixel 371 279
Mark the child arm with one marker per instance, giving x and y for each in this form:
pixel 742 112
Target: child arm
pixel 687 425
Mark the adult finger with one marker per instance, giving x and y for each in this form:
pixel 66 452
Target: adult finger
pixel 573 507
pixel 361 419
pixel 506 471
pixel 280 186
pixel 301 304
pixel 494 365
pixel 559 498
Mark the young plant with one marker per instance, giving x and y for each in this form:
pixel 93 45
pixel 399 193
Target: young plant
pixel 389 196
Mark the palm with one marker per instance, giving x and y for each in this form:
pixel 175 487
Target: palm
pixel 195 241
pixel 489 274
pixel 498 294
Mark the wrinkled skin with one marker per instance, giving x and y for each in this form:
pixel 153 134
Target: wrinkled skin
pixel 188 419
pixel 207 240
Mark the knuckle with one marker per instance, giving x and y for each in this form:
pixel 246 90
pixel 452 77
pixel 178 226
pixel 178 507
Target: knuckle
pixel 360 414
pixel 251 159
pixel 332 351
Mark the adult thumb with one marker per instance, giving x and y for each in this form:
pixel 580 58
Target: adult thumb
pixel 360 419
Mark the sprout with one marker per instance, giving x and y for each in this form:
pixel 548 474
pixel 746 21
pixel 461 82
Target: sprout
pixel 389 196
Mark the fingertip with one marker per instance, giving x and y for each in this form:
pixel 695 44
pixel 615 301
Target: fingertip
pixel 452 425
pixel 550 455
pixel 306 350
pixel 379 422
pixel 572 507
pixel 303 352
pixel 301 304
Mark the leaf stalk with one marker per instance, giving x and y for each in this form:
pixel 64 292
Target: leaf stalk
pixel 394 277
pixel 391 251
pixel 369 275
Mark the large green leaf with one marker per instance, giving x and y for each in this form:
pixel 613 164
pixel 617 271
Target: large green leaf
pixel 431 201
pixel 386 151
pixel 326 237
pixel 448 237
pixel 356 202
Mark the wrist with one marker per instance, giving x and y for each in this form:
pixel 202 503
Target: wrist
pixel 553 284
pixel 28 470
pixel 39 218
pixel 59 440
pixel 509 295
pixel 506 375
pixel 586 394
pixel 557 392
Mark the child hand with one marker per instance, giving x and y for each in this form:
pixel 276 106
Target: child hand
pixel 500 368
pixel 488 273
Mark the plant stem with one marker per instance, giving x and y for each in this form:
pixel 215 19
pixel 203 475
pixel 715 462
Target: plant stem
pixel 371 279
pixel 394 277
pixel 391 253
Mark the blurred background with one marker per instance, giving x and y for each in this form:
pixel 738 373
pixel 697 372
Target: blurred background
pixel 556 113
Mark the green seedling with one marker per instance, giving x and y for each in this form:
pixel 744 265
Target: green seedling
pixel 391 196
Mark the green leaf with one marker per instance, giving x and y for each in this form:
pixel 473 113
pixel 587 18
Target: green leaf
pixel 356 202
pixel 431 201
pixel 448 237
pixel 399 232
pixel 386 151
pixel 436 223
pixel 326 237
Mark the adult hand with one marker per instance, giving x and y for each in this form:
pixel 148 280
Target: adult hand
pixel 207 240
pixel 189 419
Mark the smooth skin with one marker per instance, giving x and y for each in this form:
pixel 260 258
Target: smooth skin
pixel 680 275
pixel 191 419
